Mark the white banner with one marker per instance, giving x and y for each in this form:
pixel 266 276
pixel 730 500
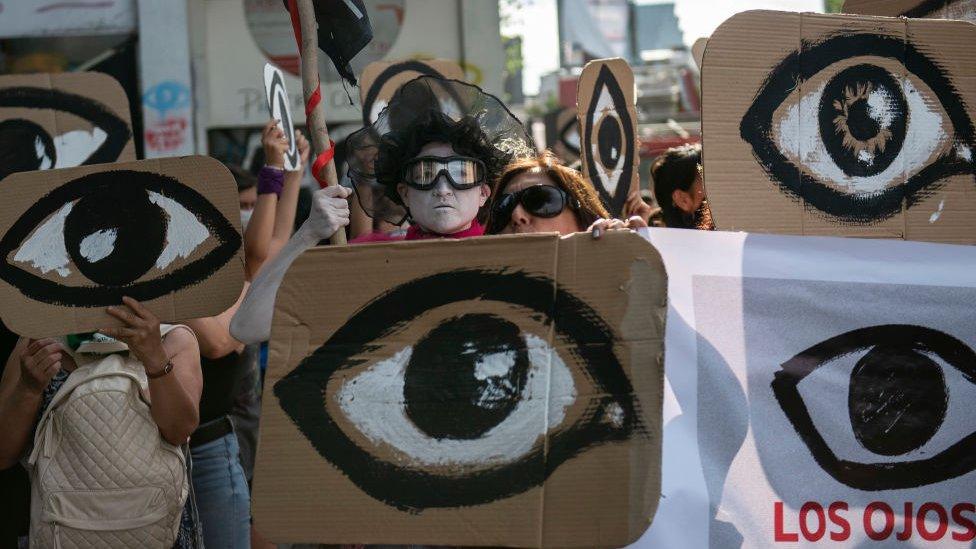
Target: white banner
pixel 820 392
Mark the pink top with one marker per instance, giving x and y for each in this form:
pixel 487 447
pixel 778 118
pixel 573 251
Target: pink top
pixel 416 233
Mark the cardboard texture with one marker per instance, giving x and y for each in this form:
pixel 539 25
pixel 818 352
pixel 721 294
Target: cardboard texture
pixel 608 123
pixel 164 231
pixel 841 125
pixel 928 9
pixel 563 134
pixel 381 79
pixel 397 409
pixel 698 50
pixel 62 120
pixel 279 108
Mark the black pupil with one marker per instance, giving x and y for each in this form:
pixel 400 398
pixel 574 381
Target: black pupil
pixel 465 376
pixel 19 147
pixel 897 399
pixel 139 229
pixel 609 139
pixel 862 120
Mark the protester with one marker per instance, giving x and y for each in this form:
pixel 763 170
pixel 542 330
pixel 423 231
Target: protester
pixel 439 145
pixel 247 192
pixel 679 190
pixel 539 194
pixel 164 361
pixel 271 224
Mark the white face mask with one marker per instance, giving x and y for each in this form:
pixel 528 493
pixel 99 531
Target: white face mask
pixel 245 218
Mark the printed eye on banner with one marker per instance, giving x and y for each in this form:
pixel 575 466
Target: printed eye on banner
pixel 608 141
pixel 909 397
pixel 456 418
pixel 872 139
pixel 279 107
pixel 113 228
pixel 26 146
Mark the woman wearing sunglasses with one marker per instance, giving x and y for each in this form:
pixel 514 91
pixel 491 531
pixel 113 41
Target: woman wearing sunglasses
pixel 430 157
pixel 536 195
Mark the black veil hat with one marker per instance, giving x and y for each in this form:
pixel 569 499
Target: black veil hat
pixel 424 110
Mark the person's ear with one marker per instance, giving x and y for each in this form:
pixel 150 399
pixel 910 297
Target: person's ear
pixel 485 194
pixel 403 191
pixel 682 200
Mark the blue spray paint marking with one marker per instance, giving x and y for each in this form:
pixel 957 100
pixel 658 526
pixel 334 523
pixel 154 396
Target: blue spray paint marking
pixel 167 96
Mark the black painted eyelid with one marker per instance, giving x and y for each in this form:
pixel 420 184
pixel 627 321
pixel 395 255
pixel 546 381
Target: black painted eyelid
pixel 47 291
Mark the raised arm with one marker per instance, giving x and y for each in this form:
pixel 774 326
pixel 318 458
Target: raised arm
pixel 213 333
pixel 284 221
pixel 330 212
pixel 29 369
pixel 257 237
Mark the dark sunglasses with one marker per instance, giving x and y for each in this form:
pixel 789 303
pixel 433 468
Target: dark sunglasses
pixel 537 200
pixel 462 172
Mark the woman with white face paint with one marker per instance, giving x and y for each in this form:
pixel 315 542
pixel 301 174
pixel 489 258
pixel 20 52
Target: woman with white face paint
pixel 431 156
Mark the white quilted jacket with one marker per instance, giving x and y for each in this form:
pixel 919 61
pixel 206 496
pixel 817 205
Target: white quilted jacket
pixel 101 474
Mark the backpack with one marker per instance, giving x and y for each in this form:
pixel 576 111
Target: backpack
pixel 101 474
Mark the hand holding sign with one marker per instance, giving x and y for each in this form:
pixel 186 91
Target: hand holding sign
pixel 277 97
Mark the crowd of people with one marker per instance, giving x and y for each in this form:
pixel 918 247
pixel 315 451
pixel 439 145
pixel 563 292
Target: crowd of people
pixel 427 168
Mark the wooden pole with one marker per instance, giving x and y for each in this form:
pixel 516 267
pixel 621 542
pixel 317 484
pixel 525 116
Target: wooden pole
pixel 315 121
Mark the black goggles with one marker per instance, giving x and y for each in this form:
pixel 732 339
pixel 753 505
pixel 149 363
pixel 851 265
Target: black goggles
pixel 462 172
pixel 538 200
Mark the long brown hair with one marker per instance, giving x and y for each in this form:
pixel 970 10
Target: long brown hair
pixel 579 190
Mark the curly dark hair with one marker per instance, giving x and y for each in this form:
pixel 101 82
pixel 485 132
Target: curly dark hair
pixel 397 147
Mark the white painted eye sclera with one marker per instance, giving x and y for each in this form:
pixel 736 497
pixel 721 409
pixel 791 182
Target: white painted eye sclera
pixel 799 136
pixel 46 249
pixel 366 402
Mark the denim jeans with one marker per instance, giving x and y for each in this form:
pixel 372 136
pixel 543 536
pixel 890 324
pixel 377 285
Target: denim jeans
pixel 223 502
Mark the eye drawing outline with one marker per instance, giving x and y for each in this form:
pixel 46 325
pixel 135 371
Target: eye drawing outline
pixel 571 126
pixel 117 131
pixel 756 128
pixel 47 291
pixel 597 167
pixel 300 392
pixel 957 460
pixel 278 99
pixel 394 70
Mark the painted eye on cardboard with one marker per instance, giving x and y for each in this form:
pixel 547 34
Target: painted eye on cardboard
pixel 476 409
pixel 875 126
pixel 278 99
pixel 906 421
pixel 106 234
pixel 569 135
pixel 26 146
pixel 608 138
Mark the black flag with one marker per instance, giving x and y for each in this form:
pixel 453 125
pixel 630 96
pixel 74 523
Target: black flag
pixel 344 30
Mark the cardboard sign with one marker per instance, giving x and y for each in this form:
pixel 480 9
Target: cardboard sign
pixel 501 391
pixel 563 135
pixel 165 232
pixel 819 393
pixel 279 105
pixel 608 120
pixel 381 79
pixel 866 131
pixel 928 9
pixel 698 50
pixel 61 121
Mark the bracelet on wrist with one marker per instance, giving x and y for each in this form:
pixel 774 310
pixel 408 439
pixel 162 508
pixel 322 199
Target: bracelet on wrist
pixel 167 368
pixel 271 180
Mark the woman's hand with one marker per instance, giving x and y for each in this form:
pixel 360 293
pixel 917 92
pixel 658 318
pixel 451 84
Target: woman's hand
pixel 601 226
pixel 140 333
pixel 39 363
pixel 635 206
pixel 304 148
pixel 275 145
